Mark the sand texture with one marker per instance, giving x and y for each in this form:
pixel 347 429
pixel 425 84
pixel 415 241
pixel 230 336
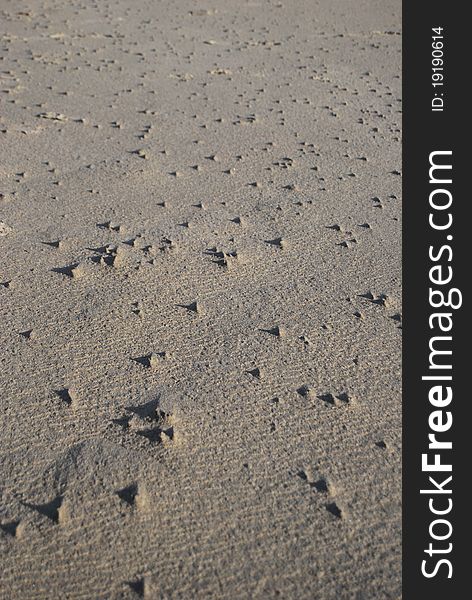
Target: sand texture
pixel 200 283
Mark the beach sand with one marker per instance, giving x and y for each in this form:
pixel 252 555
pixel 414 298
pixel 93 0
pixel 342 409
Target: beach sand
pixel 200 282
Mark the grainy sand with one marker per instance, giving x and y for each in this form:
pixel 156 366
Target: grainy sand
pixel 200 288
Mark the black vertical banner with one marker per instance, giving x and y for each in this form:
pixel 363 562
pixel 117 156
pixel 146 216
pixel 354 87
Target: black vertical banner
pixel 437 232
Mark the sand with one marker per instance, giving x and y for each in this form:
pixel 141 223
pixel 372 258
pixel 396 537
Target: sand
pixel 200 283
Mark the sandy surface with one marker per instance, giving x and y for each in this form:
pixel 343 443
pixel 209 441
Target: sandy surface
pixel 200 288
